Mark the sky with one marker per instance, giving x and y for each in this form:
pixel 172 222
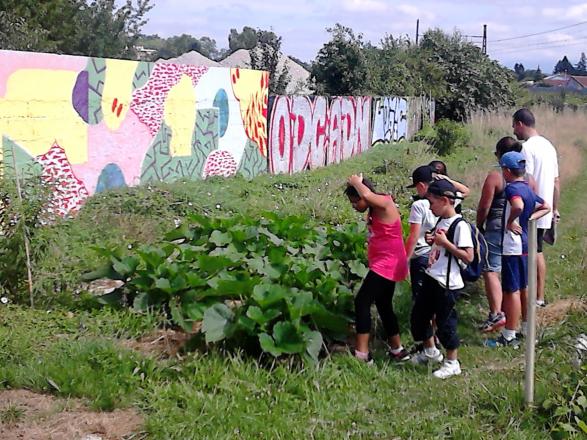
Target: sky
pixel 302 23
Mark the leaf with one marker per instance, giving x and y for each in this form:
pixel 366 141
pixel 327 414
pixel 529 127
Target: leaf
pixel 272 237
pixel 287 339
pixel 141 302
pixel 112 299
pixel 268 294
pixel 211 264
pixel 195 310
pixel 177 315
pixel 581 424
pixel 216 321
pixel 302 304
pixel 152 256
pixel 262 317
pixel 106 271
pixel 326 319
pixel 182 232
pixel 313 344
pixel 246 324
pixel 268 345
pixel 358 268
pixel 163 284
pixel 220 238
pixel 53 384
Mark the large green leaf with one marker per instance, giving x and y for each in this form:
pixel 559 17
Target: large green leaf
pixel 212 264
pixel 183 232
pixel 267 295
pixel 313 344
pixel 106 271
pixel 217 320
pixel 220 238
pixel 268 345
pixel 301 304
pixel 262 317
pixel 141 302
pixel 358 268
pixel 287 339
pixel 178 316
pixel 125 267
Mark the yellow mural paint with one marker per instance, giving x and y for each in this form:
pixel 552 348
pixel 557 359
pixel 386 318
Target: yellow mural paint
pixel 251 88
pixel 117 93
pixel 180 116
pixel 36 111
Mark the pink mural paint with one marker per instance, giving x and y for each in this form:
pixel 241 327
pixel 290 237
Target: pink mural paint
pixel 69 192
pixel 11 61
pixel 148 102
pixel 307 133
pixel 125 147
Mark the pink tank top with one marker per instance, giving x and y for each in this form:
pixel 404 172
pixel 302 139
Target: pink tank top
pixel 386 251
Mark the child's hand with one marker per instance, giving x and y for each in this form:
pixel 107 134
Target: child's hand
pixel 515 228
pixel 440 238
pixel 355 180
pixel 429 237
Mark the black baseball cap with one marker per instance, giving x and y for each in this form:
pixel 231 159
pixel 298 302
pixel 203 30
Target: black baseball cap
pixel 422 174
pixel 443 188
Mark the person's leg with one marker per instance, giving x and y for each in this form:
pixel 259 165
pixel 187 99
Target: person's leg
pixel 446 319
pixel 540 268
pixel 491 274
pixel 422 313
pixel 510 274
pixel 417 273
pixel 363 302
pixel 383 295
pixel 493 291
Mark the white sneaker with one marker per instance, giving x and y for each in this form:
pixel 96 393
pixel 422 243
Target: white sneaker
pixel 448 370
pixel 421 358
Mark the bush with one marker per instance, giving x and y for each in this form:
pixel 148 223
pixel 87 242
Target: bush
pixel 445 137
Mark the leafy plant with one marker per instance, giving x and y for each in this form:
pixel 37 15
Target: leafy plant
pixel 273 283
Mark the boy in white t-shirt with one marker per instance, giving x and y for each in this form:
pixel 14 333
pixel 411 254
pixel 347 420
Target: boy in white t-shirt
pixel 442 282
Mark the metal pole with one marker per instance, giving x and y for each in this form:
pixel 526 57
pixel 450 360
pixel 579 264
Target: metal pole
pixel 417 30
pixel 531 314
pixel 485 39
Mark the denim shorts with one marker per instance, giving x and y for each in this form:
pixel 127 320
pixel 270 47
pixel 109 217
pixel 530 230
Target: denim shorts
pixel 493 239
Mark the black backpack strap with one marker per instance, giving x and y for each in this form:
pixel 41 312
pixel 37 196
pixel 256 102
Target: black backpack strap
pixel 450 234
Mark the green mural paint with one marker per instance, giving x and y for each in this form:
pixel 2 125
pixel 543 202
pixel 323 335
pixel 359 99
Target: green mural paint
pixel 253 162
pixel 96 76
pixel 142 74
pixel 159 165
pixel 25 163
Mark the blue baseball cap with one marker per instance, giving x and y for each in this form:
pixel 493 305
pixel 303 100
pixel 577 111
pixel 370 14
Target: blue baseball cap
pixel 513 160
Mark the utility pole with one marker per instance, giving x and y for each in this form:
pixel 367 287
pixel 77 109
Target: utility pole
pixel 484 48
pixel 417 30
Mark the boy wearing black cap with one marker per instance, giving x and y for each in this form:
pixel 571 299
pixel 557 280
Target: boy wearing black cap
pixel 522 205
pixel 442 282
pixel 422 220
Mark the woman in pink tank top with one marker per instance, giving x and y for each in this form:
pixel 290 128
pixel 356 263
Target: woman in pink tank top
pixel 387 265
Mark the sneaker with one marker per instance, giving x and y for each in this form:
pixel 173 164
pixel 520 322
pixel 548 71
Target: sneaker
pixel 368 361
pixel 540 303
pixel 421 358
pixel 447 370
pixel 493 322
pixel 416 349
pixel 501 341
pixel 402 356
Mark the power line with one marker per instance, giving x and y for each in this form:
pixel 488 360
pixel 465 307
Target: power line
pixel 542 43
pixel 538 47
pixel 539 33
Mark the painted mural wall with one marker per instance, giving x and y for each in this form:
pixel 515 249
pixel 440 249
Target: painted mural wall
pixel 90 124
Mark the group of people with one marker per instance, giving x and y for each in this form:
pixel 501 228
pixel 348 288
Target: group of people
pixel 440 244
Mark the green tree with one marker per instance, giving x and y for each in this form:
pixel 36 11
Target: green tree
pixel 581 67
pixel 16 34
pixel 519 70
pixel 97 28
pixel 564 66
pixel 247 39
pixel 266 56
pixel 472 81
pixel 340 67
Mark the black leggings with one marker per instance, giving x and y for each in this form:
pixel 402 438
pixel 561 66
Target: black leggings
pixel 378 290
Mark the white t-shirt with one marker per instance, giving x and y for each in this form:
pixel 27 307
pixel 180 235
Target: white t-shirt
pixel 420 214
pixel 542 164
pixel 438 260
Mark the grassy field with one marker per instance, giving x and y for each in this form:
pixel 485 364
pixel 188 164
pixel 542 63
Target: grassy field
pixel 70 348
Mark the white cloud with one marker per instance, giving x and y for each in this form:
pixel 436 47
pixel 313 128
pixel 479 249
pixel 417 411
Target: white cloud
pixel 364 5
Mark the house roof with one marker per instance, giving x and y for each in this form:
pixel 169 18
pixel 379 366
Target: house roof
pixel 581 79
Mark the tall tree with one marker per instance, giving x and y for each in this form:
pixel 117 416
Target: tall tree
pixel 564 66
pixel 79 27
pixel 340 67
pixel 247 39
pixel 266 56
pixel 581 67
pixel 519 70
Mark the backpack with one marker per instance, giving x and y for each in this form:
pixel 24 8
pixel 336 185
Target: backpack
pixel 473 270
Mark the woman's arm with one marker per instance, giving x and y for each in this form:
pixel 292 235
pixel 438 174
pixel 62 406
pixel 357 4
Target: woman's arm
pixel 487 193
pixel 412 239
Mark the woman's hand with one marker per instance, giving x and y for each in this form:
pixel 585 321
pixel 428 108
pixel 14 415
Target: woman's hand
pixel 355 179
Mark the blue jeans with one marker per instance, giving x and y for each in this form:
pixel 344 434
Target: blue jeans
pixel 493 239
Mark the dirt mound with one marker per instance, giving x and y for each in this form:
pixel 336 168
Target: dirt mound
pixel 557 311
pixel 161 343
pixel 28 415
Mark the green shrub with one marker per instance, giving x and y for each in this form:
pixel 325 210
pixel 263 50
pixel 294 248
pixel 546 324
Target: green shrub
pixel 445 136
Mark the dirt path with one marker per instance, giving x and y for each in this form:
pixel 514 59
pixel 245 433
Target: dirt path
pixel 26 415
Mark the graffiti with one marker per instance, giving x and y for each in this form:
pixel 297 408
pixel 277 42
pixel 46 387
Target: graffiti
pixel 111 123
pixel 390 122
pixel 309 133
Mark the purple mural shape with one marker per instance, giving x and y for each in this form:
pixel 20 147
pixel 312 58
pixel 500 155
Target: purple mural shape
pixel 79 95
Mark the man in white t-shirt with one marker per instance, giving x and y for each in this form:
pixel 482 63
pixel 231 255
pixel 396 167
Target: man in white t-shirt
pixel 542 165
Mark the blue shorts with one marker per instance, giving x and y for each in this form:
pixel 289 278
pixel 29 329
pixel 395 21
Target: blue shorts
pixel 514 273
pixel 493 239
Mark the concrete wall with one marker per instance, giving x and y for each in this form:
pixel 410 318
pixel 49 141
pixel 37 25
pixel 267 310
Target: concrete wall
pixel 89 124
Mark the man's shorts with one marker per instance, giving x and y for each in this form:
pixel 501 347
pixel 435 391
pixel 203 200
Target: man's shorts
pixel 540 236
pixel 514 273
pixel 493 239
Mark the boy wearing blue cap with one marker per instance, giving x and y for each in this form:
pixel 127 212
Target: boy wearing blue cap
pixel 522 205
